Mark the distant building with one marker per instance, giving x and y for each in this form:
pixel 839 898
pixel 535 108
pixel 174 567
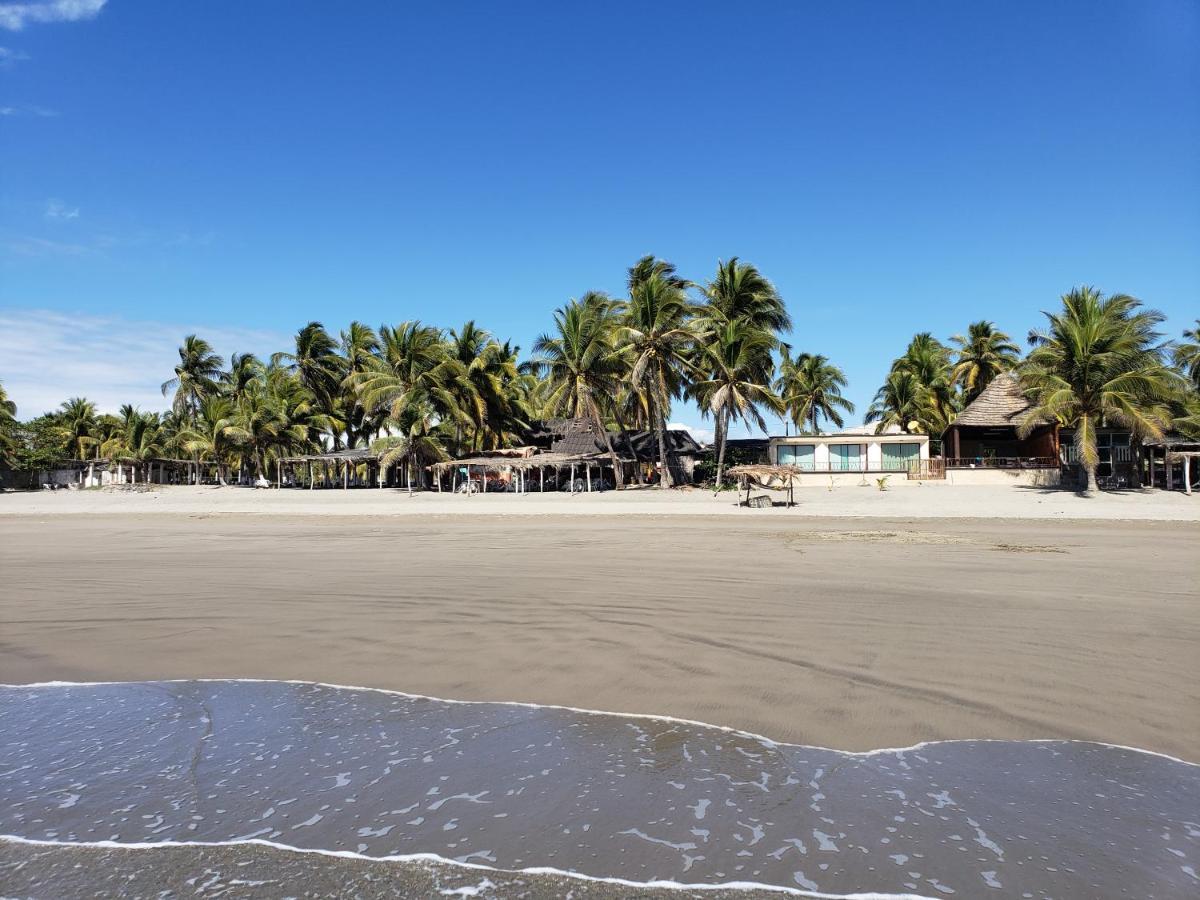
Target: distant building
pixel 984 446
pixel 848 456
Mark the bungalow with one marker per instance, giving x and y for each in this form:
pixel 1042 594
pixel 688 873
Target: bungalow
pixel 984 445
pixel 848 456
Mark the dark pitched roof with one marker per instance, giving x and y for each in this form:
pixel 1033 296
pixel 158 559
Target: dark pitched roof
pixel 1001 404
pixel 584 437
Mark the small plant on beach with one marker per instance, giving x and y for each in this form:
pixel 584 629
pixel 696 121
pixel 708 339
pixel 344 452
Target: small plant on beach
pixel 881 483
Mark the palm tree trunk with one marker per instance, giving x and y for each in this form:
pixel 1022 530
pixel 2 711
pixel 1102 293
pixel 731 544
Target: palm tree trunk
pixel 721 435
pixel 1092 484
pixel 612 453
pixel 660 428
pixel 637 468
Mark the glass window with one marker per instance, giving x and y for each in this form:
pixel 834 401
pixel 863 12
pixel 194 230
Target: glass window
pixel 796 455
pixel 899 457
pixel 845 457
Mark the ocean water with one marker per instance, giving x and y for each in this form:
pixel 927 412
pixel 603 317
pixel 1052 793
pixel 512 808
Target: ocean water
pixel 133 781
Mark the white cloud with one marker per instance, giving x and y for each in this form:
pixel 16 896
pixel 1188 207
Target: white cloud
pixel 703 436
pixel 56 209
pixel 34 247
pixel 25 109
pixel 8 56
pixel 15 16
pixel 47 357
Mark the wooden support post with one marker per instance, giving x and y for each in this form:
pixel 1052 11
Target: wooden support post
pixel 589 477
pixel 541 479
pixel 572 478
pixel 1170 467
pixel 1187 474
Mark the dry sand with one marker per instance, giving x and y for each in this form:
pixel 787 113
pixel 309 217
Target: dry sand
pixel 904 499
pixel 850 634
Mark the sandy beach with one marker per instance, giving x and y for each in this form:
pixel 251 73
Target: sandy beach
pixel 904 499
pixel 846 633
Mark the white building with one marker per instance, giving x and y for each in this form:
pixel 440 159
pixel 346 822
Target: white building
pixel 846 457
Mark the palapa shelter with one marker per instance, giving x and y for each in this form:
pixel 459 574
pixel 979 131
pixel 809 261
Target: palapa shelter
pixel 337 468
pixel 771 477
pixel 985 434
pixel 571 453
pixel 115 471
pixel 537 472
pixel 1168 452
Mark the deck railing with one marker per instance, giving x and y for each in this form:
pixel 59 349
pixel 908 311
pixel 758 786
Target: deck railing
pixel 1002 462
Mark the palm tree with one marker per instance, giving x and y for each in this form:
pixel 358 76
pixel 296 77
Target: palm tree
pixel 211 437
pixel 246 371
pixel 927 396
pixel 139 438
pixel 650 266
pixel 738 363
pixel 359 345
pixel 656 332
pixel 1186 354
pixel 8 409
pixel 414 442
pixel 301 423
pixel 900 402
pixel 490 390
pixel 315 362
pixel 811 389
pixel 983 354
pixel 580 365
pixel 1099 361
pixel 257 426
pixel 195 376
pixel 497 379
pixel 740 291
pixel 78 426
pixel 8 425
pixel 415 365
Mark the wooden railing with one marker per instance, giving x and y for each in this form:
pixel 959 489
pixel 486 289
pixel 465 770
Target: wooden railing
pixel 1001 462
pixel 927 469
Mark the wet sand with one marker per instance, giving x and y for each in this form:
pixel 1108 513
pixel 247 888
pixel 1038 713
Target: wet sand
pixel 514 787
pixel 838 633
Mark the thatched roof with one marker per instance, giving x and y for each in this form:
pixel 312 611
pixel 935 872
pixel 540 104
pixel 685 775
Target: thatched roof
pixel 644 443
pixel 527 462
pixel 1173 441
pixel 1002 404
pixel 361 454
pixel 770 477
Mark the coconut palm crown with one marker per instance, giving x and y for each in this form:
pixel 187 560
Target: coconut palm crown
pixel 810 387
pixel 1099 362
pixel 983 353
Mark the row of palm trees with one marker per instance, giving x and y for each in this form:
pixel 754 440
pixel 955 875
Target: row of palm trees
pixel 420 393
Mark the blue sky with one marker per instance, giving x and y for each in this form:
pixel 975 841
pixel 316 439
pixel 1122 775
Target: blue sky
pixel 239 168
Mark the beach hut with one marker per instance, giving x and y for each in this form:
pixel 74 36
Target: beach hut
pixel 336 469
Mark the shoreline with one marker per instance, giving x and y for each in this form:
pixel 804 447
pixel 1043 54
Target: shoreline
pixel 763 739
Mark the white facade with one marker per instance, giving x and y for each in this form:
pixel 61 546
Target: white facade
pixel 855 450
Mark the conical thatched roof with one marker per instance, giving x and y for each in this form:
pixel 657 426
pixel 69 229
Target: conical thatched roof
pixel 1001 404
